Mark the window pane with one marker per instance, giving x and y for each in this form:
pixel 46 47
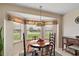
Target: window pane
pixel 48 30
pixel 32 31
pixel 17 31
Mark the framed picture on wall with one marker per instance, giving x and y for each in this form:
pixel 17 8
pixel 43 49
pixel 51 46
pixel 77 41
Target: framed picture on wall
pixel 77 20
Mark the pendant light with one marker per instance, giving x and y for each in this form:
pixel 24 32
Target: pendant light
pixel 40 23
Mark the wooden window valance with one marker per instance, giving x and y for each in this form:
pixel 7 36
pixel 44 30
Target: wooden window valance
pixel 32 22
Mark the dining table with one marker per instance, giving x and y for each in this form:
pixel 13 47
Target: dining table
pixel 34 44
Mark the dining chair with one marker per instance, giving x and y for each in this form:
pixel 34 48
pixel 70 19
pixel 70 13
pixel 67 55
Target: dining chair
pixel 52 37
pixel 29 47
pixel 35 52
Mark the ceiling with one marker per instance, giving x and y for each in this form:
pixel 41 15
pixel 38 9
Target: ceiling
pixel 60 8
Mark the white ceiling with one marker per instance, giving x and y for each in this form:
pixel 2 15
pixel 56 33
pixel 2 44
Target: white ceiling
pixel 60 8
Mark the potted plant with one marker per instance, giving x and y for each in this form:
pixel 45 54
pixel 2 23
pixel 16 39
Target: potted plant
pixel 1 42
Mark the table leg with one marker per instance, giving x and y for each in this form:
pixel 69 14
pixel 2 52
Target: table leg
pixel 41 51
pixel 47 50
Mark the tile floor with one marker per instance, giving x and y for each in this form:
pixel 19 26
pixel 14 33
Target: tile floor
pixel 63 53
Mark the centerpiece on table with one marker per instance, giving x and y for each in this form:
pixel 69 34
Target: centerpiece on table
pixel 41 41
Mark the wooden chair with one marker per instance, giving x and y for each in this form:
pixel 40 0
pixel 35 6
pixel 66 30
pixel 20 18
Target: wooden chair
pixel 35 52
pixel 51 47
pixel 52 38
pixel 29 47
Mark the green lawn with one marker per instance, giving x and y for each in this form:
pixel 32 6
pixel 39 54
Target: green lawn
pixel 31 35
pixel 17 36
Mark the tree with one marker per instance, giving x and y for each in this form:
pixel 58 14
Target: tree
pixel 31 29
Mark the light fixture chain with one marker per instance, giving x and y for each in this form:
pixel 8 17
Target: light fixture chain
pixel 40 12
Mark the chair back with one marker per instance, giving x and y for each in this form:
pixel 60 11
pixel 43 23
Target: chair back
pixel 52 37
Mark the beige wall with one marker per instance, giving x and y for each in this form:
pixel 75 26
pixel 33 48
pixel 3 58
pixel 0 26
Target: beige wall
pixel 70 28
pixel 59 32
pixel 8 38
pixel 11 47
pixel 1 17
pixel 5 8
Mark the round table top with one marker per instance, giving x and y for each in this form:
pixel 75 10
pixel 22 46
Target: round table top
pixel 36 45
